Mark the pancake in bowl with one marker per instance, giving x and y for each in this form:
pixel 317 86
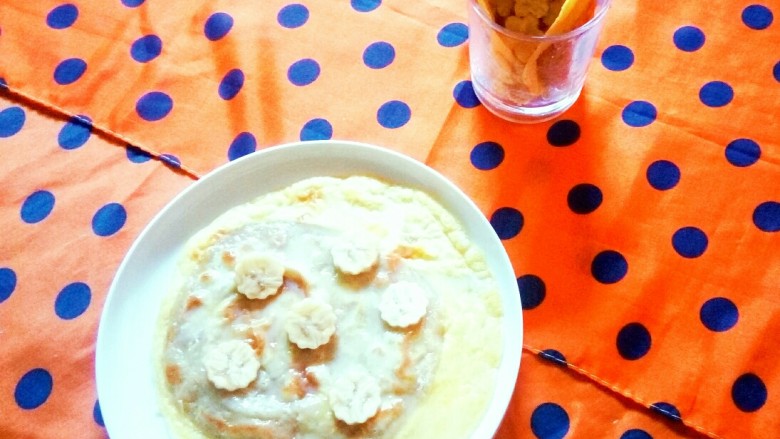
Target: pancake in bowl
pixel 334 308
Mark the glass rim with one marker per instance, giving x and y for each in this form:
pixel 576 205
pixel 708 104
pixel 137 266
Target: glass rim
pixel 597 17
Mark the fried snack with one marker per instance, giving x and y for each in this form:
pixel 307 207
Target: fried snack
pixel 530 17
pixel 521 61
pixel 573 13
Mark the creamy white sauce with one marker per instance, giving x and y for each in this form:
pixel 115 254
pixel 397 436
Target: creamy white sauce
pixel 435 378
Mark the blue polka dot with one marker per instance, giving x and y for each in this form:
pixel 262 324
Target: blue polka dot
pixel 667 410
pixel 170 160
pixel 549 421
pixel 584 198
pixel 4 85
pixel 453 34
pixel 716 94
pixel 97 414
pixel 663 175
pixel 146 48
pixel 464 95
pixel 689 242
pixel 776 71
pixel 609 267
pixel 749 392
pixel 379 55
pixel 532 290
pixel 635 434
pixel 136 154
pixel 231 84
pixel 132 3
pixel 365 5
pixel 33 389
pixel 743 152
pixel 244 144
pixel 617 58
pixel 553 356
pixel 154 106
pixel 563 133
pixel 11 121
pixel 487 155
pixel 75 133
pixel 37 206
pixel 767 216
pixel 393 114
pixel 757 17
pixel 217 26
pixel 633 341
pixel 72 301
pixel 292 16
pixel 689 38
pixel 109 219
pixel 639 114
pixel 316 129
pixel 303 72
pixel 507 222
pixel 69 71
pixel 63 16
pixel 719 314
pixel 7 283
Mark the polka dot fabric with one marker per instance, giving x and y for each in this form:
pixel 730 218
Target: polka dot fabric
pixel 641 226
pixel 63 239
pixel 341 62
pixel 573 407
pixel 642 223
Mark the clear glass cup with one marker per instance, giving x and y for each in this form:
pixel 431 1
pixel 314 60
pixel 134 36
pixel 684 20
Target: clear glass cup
pixel 524 78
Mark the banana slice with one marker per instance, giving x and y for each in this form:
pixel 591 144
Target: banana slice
pixel 403 304
pixel 310 323
pixel 231 365
pixel 355 257
pixel 258 276
pixel 355 397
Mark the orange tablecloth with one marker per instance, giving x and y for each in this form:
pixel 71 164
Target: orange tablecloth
pixel 643 224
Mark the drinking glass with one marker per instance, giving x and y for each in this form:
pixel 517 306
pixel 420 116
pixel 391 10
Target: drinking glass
pixel 525 78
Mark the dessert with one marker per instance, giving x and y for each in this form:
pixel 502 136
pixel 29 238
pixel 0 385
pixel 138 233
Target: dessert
pixel 333 308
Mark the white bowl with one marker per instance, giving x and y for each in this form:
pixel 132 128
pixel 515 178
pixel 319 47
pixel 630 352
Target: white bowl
pixel 124 367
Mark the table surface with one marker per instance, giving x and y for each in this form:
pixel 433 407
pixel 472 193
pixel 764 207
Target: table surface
pixel 643 224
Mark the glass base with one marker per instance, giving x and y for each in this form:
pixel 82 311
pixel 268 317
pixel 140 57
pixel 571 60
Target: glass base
pixel 520 114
